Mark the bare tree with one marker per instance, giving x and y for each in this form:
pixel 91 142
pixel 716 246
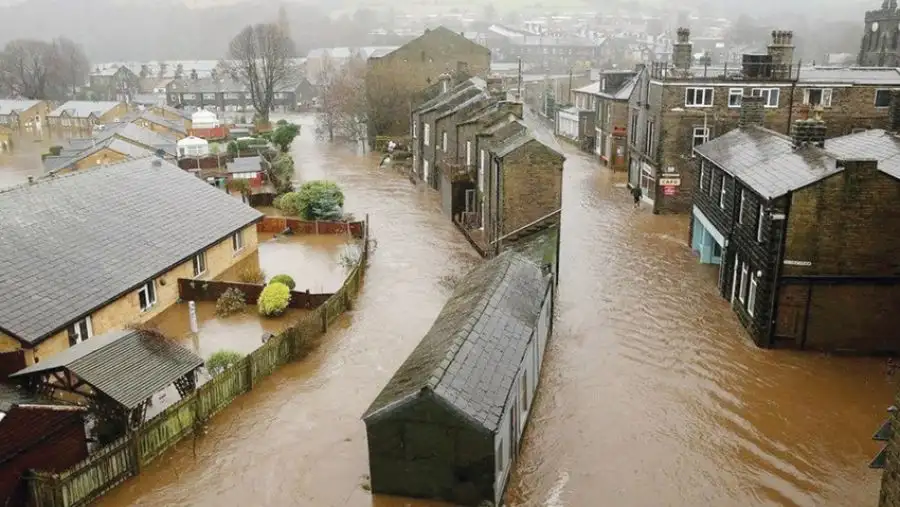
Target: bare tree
pixel 260 57
pixel 27 67
pixel 344 112
pixel 73 66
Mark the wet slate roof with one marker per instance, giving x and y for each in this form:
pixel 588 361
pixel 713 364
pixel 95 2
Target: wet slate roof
pixel 83 108
pixel 245 165
pixel 128 366
pixel 519 140
pixel 9 106
pixel 467 88
pixel 69 157
pixel 72 243
pixel 471 355
pixel 174 126
pixel 874 144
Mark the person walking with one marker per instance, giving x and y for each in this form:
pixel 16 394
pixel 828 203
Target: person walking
pixel 637 194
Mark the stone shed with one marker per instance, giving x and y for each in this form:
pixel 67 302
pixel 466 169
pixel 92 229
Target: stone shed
pixel 448 424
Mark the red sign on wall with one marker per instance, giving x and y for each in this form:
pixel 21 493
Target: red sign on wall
pixel 670 190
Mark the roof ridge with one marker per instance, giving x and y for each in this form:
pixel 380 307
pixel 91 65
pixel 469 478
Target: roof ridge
pixel 51 177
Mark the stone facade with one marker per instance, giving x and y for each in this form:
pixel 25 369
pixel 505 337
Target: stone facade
pixel 396 81
pixel 530 185
pixel 125 309
pixel 880 45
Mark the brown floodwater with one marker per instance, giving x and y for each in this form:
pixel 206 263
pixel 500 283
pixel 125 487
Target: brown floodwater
pixel 25 158
pixel 652 394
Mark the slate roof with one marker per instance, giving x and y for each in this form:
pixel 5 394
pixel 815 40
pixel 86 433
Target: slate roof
pixel 139 135
pixel 9 106
pixel 849 75
pixel 453 93
pixel 70 157
pixel 245 165
pixel 471 355
pixel 128 366
pixel 481 96
pixel 83 109
pixel 73 243
pixel 173 110
pixel 174 126
pixel 519 140
pixel 872 144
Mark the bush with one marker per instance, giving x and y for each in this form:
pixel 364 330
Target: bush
pixel 231 301
pixel 274 299
pixel 320 200
pixel 252 274
pixel 288 203
pixel 233 148
pixel 284 135
pixel 285 279
pixel 221 360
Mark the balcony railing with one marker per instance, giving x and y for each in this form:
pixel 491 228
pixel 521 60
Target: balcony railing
pixel 755 71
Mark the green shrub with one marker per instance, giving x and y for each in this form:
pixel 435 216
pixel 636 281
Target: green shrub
pixel 284 135
pixel 274 299
pixel 320 200
pixel 285 279
pixel 252 274
pixel 231 301
pixel 233 148
pixel 221 360
pixel 289 203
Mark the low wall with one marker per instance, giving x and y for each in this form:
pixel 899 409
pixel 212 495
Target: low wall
pixel 115 463
pixel 202 290
pixel 298 226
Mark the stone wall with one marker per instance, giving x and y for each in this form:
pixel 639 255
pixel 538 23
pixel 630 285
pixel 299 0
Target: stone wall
pixel 532 185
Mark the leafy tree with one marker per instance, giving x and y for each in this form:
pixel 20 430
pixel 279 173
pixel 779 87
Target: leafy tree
pixel 281 172
pixel 284 135
pixel 285 279
pixel 320 200
pixel 221 360
pixel 274 299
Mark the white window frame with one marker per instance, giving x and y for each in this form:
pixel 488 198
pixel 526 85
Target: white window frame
pixel 707 96
pixel 759 223
pixel 198 262
pixel 149 291
pixel 699 133
pixel 648 141
pixel 468 153
pixel 426 132
pixel 702 172
pixel 882 90
pixel 722 193
pixel 735 92
pixel 742 294
pixel 75 330
pixel 415 129
pixel 741 208
pixel 751 295
pixel 771 96
pixel 827 95
pixel 444 141
pixel 237 241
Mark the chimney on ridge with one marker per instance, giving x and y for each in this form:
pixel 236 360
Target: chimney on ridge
pixel 752 111
pixel 781 51
pixel 894 112
pixel 444 79
pixel 683 50
pixel 808 133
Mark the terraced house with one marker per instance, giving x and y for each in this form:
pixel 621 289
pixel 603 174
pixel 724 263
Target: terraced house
pixel 684 105
pixel 99 249
pixel 804 232
pixel 23 115
pixel 83 115
pixel 113 144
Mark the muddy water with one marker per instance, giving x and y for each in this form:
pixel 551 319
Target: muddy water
pixel 652 395
pixel 25 158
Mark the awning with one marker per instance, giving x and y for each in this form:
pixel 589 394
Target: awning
pixel 720 239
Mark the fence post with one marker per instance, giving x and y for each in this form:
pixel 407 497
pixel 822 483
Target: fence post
pixel 249 360
pixel 135 445
pixel 317 226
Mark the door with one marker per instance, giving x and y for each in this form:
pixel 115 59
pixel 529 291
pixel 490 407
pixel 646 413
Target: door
pixel 425 171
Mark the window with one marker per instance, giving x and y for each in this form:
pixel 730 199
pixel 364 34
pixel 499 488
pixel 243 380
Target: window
pixel 147 295
pixel 444 141
pixel 722 194
pixel 469 153
pixel 634 127
pixel 415 128
pixel 712 180
pixel 817 97
pixel 698 97
pixel 702 173
pixel 199 262
pixel 80 331
pixel 741 208
pixel 735 95
pixel 209 96
pixel 237 241
pixel 524 390
pixel 189 96
pixel 699 136
pixel 759 224
pixel 882 98
pixel 648 142
pixel 770 96
pixel 742 292
pixel 751 297
pixel 427 133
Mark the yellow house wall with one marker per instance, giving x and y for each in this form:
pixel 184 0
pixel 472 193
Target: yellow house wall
pixel 104 156
pixel 116 112
pixel 126 309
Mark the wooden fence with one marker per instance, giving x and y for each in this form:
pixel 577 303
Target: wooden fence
pixel 209 290
pixel 298 226
pixel 124 458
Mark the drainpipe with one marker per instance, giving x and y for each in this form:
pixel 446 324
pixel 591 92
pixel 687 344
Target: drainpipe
pixel 779 265
pixel 790 118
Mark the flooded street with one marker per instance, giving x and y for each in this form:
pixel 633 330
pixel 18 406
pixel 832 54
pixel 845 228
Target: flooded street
pixel 652 394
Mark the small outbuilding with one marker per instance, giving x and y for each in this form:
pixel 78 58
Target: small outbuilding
pixel 192 146
pixel 448 424
pixel 204 119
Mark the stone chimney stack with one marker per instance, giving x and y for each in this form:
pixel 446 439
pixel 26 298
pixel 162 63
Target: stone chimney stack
pixel 683 50
pixel 495 87
pixel 894 112
pixel 444 79
pixel 753 111
pixel 808 133
pixel 781 49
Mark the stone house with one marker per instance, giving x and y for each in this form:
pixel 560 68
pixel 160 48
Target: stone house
pixel 118 84
pixel 396 80
pixel 687 105
pixel 162 125
pixel 113 144
pixel 90 270
pixel 577 123
pixel 612 100
pixel 175 114
pixel 84 115
pixel 449 424
pixel 23 115
pixel 804 233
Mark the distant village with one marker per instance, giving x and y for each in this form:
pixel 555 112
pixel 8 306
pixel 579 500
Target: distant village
pixel 784 171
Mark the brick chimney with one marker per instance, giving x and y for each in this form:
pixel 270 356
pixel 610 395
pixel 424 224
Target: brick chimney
pixel 753 111
pixel 683 50
pixel 444 79
pixel 781 50
pixel 808 133
pixel 894 112
pixel 495 87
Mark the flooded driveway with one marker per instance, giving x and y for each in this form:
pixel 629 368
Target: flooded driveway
pixel 652 394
